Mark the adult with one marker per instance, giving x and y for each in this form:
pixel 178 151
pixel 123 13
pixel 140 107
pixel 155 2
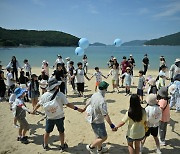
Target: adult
pixel 14 64
pixel 99 112
pixel 58 60
pixel 79 75
pixel 124 65
pixel 174 69
pixel 162 62
pixel 67 64
pixel 55 115
pixel 85 63
pixel 145 62
pixel 60 74
pixel 132 62
pixel 111 62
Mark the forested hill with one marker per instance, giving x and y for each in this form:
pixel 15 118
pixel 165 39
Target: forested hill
pixel 36 38
pixel 173 39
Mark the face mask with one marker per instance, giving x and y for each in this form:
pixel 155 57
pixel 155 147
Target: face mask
pixel 103 92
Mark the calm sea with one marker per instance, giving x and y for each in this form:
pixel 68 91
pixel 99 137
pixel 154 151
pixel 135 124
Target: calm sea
pixel 97 56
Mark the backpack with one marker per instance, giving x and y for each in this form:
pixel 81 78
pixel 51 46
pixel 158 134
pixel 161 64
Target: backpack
pixel 52 108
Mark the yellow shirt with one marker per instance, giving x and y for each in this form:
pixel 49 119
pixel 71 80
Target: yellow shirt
pixel 136 130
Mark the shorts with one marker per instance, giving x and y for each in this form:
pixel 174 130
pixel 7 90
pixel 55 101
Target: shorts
pixel 23 123
pixel 27 74
pixel 80 87
pixel 132 140
pixel 99 130
pixel 140 92
pixel 153 131
pixel 34 94
pixel 97 84
pixel 58 122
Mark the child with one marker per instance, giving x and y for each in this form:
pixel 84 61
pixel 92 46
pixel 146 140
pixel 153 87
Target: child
pixel 12 99
pixel 2 86
pixel 43 78
pixel 27 68
pixel 71 72
pixel 20 109
pixel 174 90
pixel 152 86
pixel 79 75
pixel 10 80
pixel 33 89
pixel 136 118
pixel 141 84
pixel 45 67
pixel 98 75
pixel 128 78
pixel 60 74
pixel 162 77
pixel 164 105
pixel 154 114
pixel 114 72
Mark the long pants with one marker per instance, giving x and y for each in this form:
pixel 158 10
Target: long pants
pixel 2 91
pixel 62 87
pixel 162 130
pixel 145 69
pixel 73 84
pixel 15 71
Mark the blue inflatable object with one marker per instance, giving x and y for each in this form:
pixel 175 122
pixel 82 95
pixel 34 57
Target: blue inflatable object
pixel 117 42
pixel 83 43
pixel 79 51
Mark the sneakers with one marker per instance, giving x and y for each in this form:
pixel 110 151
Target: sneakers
pixel 158 151
pixel 24 140
pixel 91 150
pixel 63 148
pixel 162 143
pixel 102 150
pixel 46 147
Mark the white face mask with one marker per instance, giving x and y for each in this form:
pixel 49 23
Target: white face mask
pixel 103 92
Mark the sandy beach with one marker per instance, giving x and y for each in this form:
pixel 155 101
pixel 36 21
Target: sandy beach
pixel 78 132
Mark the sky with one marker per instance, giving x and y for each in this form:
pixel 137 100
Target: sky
pixel 97 20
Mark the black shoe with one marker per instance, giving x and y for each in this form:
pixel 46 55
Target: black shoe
pixel 24 140
pixel 18 138
pixel 46 147
pixel 63 148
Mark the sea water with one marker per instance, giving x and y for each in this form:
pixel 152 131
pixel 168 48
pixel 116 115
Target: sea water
pixel 97 56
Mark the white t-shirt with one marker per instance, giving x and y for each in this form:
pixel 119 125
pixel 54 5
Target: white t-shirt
pixel 154 115
pixel 79 75
pixel 98 76
pixel 27 68
pixel 60 99
pixel 99 107
pixel 12 98
pixel 114 73
pixel 9 79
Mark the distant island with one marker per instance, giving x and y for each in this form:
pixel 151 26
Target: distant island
pixel 97 44
pixel 23 38
pixel 173 39
pixel 134 43
pixel 16 38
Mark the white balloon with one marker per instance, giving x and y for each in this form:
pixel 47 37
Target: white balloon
pixel 117 42
pixel 83 43
pixel 79 51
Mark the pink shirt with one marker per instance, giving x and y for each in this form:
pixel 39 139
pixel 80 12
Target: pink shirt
pixel 165 112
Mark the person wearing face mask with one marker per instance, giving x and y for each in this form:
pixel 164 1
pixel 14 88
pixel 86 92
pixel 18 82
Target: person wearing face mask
pixel 98 113
pixel 174 69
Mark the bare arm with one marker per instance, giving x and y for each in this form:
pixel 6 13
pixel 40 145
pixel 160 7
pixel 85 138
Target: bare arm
pixel 70 105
